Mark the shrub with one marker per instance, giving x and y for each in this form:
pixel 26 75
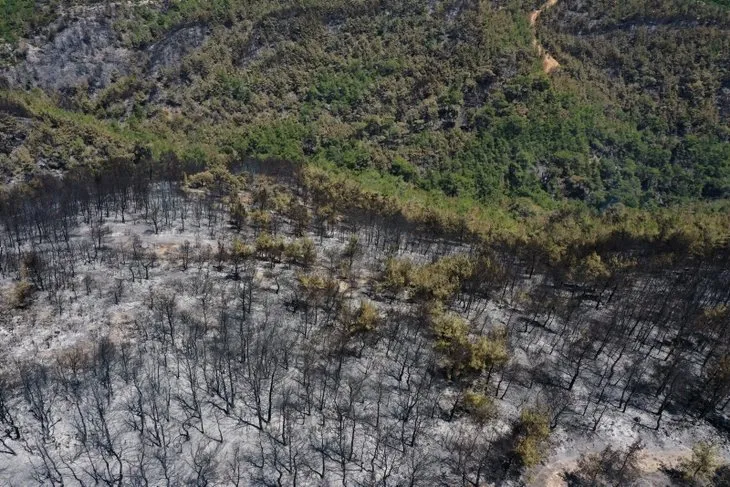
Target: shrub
pixel 269 248
pixel 238 213
pixel 530 433
pixel 299 216
pixel 239 253
pixel 490 351
pixel 479 406
pixel 366 319
pixel 21 295
pixel 442 279
pixel 396 276
pixel 261 220
pixel 316 287
pixel 700 468
pixel 301 251
pixel 217 179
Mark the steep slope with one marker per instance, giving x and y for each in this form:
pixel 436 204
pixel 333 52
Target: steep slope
pixel 667 65
pixel 549 63
pixel 449 96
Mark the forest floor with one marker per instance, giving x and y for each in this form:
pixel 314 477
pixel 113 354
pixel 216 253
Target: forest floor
pixel 549 63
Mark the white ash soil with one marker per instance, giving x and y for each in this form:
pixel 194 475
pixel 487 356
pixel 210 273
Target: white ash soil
pixel 40 333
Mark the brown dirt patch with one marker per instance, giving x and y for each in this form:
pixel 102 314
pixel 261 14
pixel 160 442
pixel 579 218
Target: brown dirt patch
pixel 549 63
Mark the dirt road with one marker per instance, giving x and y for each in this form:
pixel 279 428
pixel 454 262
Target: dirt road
pixel 549 63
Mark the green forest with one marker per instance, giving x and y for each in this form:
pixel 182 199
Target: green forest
pixel 445 103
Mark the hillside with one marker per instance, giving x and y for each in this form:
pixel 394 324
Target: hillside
pixel 449 96
pixel 369 242
pixel 158 333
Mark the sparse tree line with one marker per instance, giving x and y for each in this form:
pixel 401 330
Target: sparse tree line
pixel 288 341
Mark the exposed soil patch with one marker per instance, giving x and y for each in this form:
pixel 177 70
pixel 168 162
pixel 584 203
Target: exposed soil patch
pixel 549 63
pixel 654 462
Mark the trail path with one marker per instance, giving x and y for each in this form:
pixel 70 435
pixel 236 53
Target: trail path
pixel 549 63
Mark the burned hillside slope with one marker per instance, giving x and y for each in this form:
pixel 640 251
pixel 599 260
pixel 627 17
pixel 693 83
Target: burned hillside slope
pixel 238 329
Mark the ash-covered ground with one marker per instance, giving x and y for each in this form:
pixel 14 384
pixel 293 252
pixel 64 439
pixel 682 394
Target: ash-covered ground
pixel 155 335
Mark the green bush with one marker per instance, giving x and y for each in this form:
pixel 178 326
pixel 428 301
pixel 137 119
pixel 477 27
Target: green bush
pixel 301 251
pixel 531 431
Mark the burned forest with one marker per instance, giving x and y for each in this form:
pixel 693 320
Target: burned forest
pixel 161 328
